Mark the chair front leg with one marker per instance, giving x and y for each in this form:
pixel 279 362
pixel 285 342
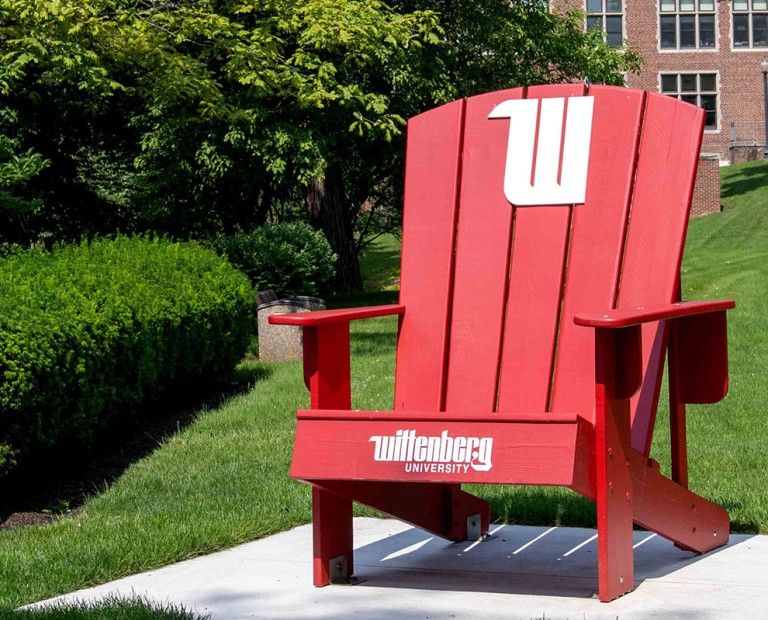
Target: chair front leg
pixel 327 376
pixel 617 377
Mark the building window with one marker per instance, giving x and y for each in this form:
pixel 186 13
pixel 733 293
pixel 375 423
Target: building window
pixel 687 24
pixel 750 23
pixel 697 88
pixel 606 15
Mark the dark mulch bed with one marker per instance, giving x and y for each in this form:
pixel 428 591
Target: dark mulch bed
pixel 22 519
pixel 57 484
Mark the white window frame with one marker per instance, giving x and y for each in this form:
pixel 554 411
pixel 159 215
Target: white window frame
pixel 603 14
pixel 750 11
pixel 698 93
pixel 677 13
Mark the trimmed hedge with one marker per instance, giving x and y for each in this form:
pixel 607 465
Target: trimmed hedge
pixel 291 259
pixel 89 332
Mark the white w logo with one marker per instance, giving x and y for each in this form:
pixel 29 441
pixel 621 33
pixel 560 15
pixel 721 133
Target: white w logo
pixel 556 180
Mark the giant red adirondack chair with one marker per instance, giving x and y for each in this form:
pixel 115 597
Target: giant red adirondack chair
pixel 540 292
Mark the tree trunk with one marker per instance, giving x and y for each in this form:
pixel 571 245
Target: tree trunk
pixel 263 206
pixel 330 212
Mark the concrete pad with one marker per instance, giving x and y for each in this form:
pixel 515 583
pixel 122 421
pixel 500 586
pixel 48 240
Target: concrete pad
pixel 521 572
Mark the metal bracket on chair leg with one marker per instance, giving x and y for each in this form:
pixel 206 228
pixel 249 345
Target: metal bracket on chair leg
pixel 338 569
pixel 474 527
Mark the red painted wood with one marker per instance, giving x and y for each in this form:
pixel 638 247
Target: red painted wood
pixel 429 221
pixel 678 437
pixel 666 173
pixel 698 373
pixel 614 483
pixel 433 416
pixel 583 478
pixel 521 453
pixel 667 508
pixel 502 302
pixel 700 346
pixel 327 375
pixel 597 239
pixel 625 317
pixel 704 378
pixel 532 307
pixel 677 414
pixel 441 509
pixel 482 250
pixel 327 366
pixel 646 402
pixel 325 317
pixel 332 534
pixel 539 246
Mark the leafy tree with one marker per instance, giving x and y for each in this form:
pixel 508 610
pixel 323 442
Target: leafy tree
pixel 196 117
pixel 16 168
pixel 189 117
pixel 482 45
pixel 55 98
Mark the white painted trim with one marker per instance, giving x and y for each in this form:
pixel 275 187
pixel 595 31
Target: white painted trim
pixel 536 141
pixel 708 50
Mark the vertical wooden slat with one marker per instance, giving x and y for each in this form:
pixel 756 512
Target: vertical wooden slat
pixel 535 283
pixel 433 164
pixel 666 173
pixel 597 238
pixel 482 249
pixel 644 404
pixel 468 331
pixel 536 275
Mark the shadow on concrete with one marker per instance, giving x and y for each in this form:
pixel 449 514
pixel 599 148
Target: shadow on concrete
pixel 411 575
pixel 549 561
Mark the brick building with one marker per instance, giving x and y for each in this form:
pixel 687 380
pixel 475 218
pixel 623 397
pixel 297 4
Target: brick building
pixel 707 52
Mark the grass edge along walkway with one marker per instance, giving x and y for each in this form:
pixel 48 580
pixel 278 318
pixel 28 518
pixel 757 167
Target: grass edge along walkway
pixel 114 608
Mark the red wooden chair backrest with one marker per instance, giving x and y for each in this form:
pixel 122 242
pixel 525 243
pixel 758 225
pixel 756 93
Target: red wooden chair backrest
pixel 491 289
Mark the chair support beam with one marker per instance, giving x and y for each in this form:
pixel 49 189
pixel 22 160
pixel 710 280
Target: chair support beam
pixel 327 375
pixel 614 350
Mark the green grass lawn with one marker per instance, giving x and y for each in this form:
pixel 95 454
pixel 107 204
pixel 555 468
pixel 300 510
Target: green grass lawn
pixel 112 608
pixel 381 264
pixel 223 480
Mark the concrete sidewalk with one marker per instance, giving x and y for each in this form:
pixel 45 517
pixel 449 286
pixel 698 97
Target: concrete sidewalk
pixel 521 572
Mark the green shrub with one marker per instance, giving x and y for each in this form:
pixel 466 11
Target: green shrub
pixel 291 259
pixel 89 332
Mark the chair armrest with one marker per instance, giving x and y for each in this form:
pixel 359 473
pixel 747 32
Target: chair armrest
pixel 327 317
pixel 326 350
pixel 698 346
pixel 635 316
